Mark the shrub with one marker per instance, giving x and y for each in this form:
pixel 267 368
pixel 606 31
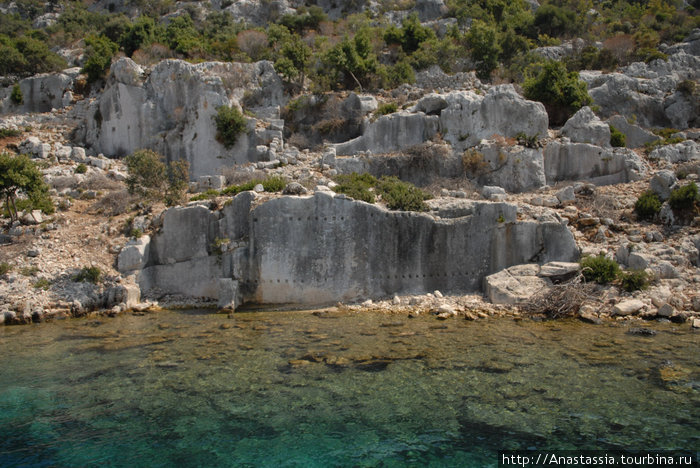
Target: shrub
pixel 600 269
pixel 647 205
pixel 229 124
pixel 100 51
pixel 206 195
pixel 19 175
pixel 16 95
pixel 684 198
pixel 387 108
pixel 151 178
pixel 686 87
pixel 399 195
pixel 356 186
pixel 89 275
pixel 634 280
pixel 9 133
pixel 81 169
pixel 5 268
pixel 617 138
pixel 562 92
pixel 29 271
pixel 274 184
pixel 147 173
pixel 473 162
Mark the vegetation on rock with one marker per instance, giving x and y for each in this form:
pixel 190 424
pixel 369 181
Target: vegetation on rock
pixel 600 269
pixel 230 123
pixel 647 205
pixel 152 179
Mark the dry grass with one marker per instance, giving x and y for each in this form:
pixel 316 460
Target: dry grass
pixel 560 300
pixel 114 203
pixel 96 181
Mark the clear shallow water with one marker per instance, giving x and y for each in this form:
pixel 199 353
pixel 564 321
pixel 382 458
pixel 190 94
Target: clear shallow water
pixel 294 389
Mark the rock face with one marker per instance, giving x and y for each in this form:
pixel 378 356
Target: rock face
pixel 635 136
pixel 680 152
pixel 515 168
pixel 564 160
pixel 469 117
pixel 171 111
pixel 326 248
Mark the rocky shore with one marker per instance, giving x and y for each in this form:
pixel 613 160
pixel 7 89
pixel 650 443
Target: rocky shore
pixel 515 202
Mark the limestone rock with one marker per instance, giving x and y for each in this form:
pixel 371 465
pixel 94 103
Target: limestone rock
pixel 134 255
pixel 515 168
pixel 564 160
pixel 666 310
pixel 210 182
pixel 229 294
pixel 470 117
pixel 585 127
pixel 294 188
pixel 566 195
pixel 392 132
pixel 684 151
pixel 662 183
pixel 559 271
pixel 635 136
pixel 171 111
pixel 41 93
pixel 514 285
pixel 628 307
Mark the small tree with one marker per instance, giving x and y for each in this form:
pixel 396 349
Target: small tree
pixel 16 95
pixel 151 178
pixel 485 49
pixel 19 175
pixel 100 51
pixel 561 92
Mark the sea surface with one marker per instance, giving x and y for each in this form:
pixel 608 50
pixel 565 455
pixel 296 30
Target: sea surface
pixel 337 389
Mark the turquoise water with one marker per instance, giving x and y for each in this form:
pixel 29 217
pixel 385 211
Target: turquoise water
pixel 298 389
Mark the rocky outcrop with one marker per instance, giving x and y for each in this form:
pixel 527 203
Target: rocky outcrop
pixel 327 248
pixel 635 136
pixel 392 132
pixel 41 93
pixel 564 160
pixel 649 93
pixel 171 111
pixel 463 118
pixel 469 117
pixel 680 152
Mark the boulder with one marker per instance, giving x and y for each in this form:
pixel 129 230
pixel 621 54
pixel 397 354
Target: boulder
pixel 470 117
pixel 513 167
pixel 431 104
pixel 628 307
pixel 662 183
pixel 585 127
pixel 229 294
pixel 566 195
pixel 514 285
pixel 209 182
pixel 558 272
pixel 134 255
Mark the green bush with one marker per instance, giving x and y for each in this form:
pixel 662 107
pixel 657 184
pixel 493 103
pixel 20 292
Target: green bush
pixel 274 184
pixel 206 195
pixel 88 275
pixel 229 124
pixel 9 133
pixel 16 95
pixel 100 51
pixel 561 92
pixel 81 169
pixel 600 269
pixel 647 205
pixel 19 175
pixel 399 195
pixel 684 198
pixel 5 268
pixel 634 280
pixel 386 108
pixel 356 186
pixel 149 177
pixel 617 138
